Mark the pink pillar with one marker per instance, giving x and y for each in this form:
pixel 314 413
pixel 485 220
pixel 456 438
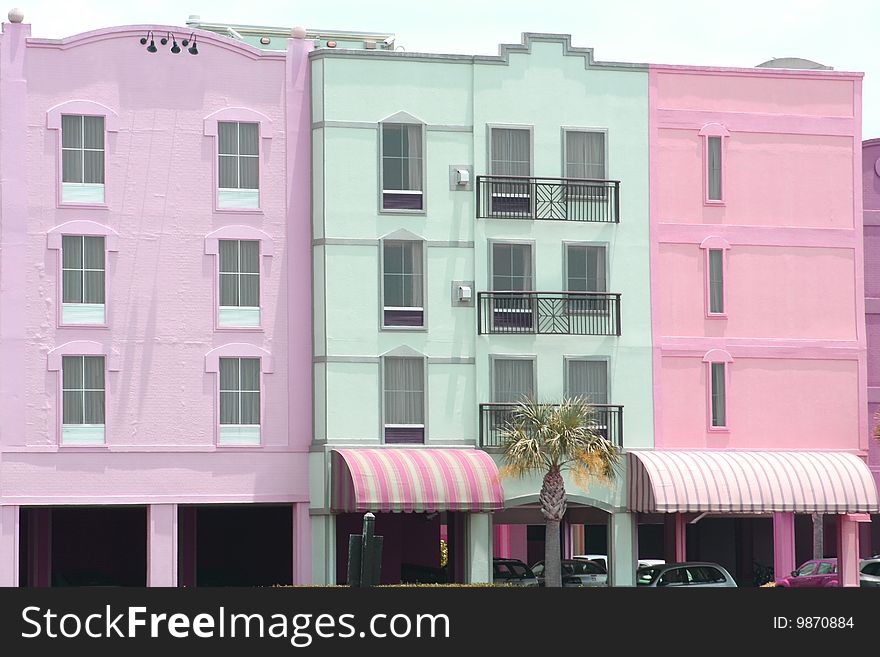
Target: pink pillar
pixel 783 544
pixel 501 541
pixel 39 548
pixel 675 528
pixel 848 547
pixel 187 543
pixel 162 545
pixel 302 544
pixel 9 545
pixel 565 528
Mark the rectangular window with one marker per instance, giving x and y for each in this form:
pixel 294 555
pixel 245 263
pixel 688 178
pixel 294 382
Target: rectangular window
pixel 510 155
pixel 513 380
pixel 512 272
pixel 404 400
pixel 82 159
pixel 403 290
pixel 719 399
pixel 585 268
pixel 82 421
pixel 585 159
pixel 716 281
pixel 239 401
pixel 714 168
pixel 239 164
pixel 239 283
pixel 402 166
pixel 588 379
pixel 82 280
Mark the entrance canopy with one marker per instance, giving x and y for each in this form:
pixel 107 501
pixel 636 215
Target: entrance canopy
pixel 750 482
pixel 414 480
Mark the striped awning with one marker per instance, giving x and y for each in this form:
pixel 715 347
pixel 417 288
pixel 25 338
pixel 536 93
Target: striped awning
pixel 414 479
pixel 750 482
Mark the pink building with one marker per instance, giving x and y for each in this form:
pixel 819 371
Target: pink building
pixel 758 317
pixel 155 387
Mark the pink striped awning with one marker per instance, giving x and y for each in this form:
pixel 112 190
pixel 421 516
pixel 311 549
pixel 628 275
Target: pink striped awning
pixel 414 479
pixel 750 482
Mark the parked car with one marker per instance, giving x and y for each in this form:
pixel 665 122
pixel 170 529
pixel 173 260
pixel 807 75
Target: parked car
pixel 576 572
pixel 688 574
pixel 512 572
pixel 602 560
pixel 817 573
pixel 869 573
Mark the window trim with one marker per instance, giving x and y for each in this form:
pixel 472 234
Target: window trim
pixel 530 357
pixel 605 245
pixel 510 126
pixel 714 130
pixel 400 118
pixel 491 242
pixel 82 228
pixel 565 130
pixel 714 243
pixel 212 248
pixel 54 361
pixel 266 131
pixel 212 366
pixel 111 124
pixel 713 357
pixel 403 352
pixel 566 360
pixel 403 238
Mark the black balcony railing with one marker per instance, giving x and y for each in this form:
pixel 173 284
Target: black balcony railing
pixel 571 313
pixel 554 199
pixel 493 417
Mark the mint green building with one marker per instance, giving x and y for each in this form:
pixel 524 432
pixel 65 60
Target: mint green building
pixel 480 233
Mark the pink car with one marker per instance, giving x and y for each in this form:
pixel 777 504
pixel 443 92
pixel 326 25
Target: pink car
pixel 812 574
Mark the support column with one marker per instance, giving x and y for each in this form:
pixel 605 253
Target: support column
pixel 323 540
pixel 162 545
pixel 623 548
pixel 479 548
pixel 848 547
pixel 674 538
pixel 783 545
pixel 565 529
pixel 9 545
pixel 501 537
pixel 302 544
pixel 39 547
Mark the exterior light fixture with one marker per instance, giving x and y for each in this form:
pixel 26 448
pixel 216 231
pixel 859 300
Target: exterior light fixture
pixel 149 37
pixel 185 42
pixel 331 44
pixel 174 48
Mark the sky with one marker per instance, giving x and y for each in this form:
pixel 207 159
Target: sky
pixel 744 33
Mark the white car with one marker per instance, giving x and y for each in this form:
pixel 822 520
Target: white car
pixel 602 560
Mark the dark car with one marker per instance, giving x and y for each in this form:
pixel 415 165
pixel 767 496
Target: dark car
pixel 688 574
pixel 512 572
pixel 576 572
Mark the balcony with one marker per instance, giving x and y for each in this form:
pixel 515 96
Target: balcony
pixel 557 313
pixel 493 417
pixel 552 199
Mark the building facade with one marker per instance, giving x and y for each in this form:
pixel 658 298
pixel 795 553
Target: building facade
pixel 154 325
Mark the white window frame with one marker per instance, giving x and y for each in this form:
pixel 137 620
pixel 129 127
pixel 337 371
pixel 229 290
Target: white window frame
pixel 83 433
pixel 239 316
pixel 82 313
pixel 239 434
pixel 248 198
pixel 83 192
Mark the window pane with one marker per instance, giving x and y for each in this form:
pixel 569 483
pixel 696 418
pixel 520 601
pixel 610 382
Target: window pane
pixel 93 372
pixel 250 373
pixel 228 172
pixel 250 290
pixel 93 128
pixel 718 396
pixel 71 251
pixel 72 412
pixel 229 411
pixel 392 173
pixel 250 256
pixel 71 166
pixel 72 371
pixel 93 161
pixel 71 131
pixel 250 173
pixel 585 155
pixel 249 138
pixel 229 290
pixel 588 379
pixel 228 255
pixel 227 133
pixel 714 168
pixel 394 293
pixel 72 286
pixel 392 257
pixel 392 140
pixel 93 287
pixel 513 380
pixel 716 281
pixel 229 374
pixel 94 407
pixel 250 408
pixel 510 153
pixel 93 252
pixel 404 391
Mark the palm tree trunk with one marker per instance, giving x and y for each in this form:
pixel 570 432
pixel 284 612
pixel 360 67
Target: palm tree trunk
pixel 553 508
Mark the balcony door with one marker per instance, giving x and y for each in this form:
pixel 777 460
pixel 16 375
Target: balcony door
pixel 512 277
pixel 510 157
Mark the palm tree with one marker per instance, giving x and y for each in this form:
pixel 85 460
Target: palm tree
pixel 551 439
